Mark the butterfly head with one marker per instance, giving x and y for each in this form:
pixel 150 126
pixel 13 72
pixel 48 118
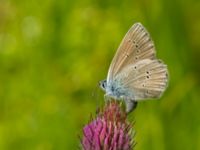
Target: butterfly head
pixel 103 84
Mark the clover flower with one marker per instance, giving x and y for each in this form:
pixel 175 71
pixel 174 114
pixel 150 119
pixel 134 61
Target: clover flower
pixel 109 130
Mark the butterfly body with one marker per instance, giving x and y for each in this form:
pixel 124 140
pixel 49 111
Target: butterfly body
pixel 135 73
pixel 115 89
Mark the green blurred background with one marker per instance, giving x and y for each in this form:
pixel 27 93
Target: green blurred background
pixel 53 53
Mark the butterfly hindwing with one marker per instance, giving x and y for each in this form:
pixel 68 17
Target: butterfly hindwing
pixel 145 79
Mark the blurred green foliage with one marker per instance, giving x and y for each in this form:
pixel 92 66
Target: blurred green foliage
pixel 53 53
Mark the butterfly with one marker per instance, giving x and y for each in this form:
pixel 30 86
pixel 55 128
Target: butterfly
pixel 135 74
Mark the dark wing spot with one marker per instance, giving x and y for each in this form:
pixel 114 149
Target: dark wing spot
pixel 166 74
pixel 142 29
pixel 146 34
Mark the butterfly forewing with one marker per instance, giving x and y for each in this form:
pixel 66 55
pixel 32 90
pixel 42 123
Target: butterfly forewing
pixel 136 45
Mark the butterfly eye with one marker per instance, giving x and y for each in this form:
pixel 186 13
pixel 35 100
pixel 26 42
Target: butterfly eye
pixel 103 85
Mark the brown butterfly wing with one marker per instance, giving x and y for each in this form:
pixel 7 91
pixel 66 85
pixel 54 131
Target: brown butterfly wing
pixel 135 46
pixel 145 79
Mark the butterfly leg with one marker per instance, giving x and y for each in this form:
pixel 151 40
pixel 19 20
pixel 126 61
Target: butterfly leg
pixel 107 97
pixel 130 104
